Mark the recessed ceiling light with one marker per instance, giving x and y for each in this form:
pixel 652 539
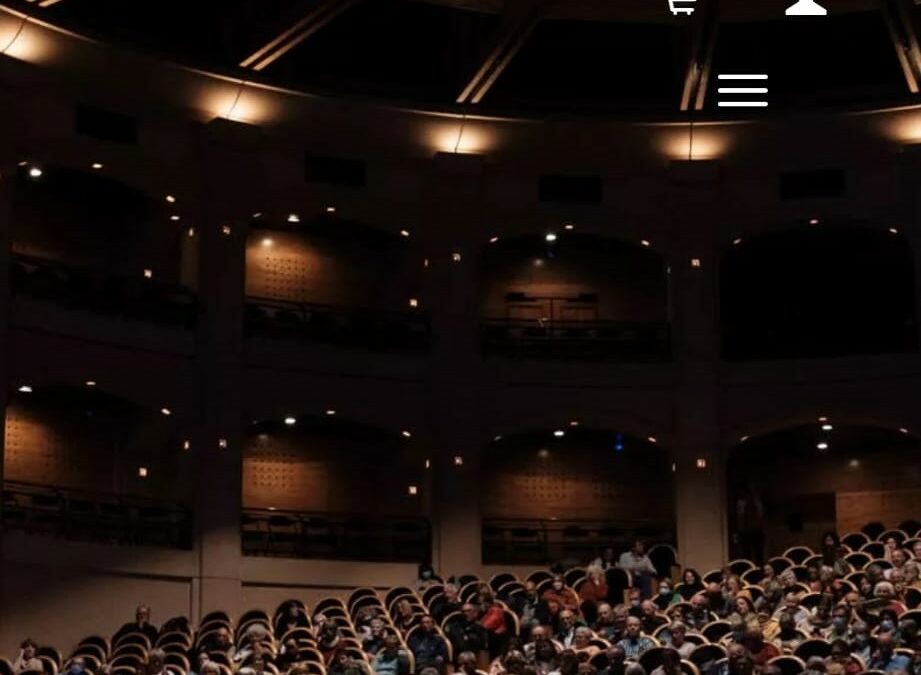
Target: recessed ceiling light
pixel 550 236
pixel 290 421
pixel 701 462
pixel 90 383
pixel 413 302
pixel 413 490
pixel 330 209
pixel 695 262
pixel 737 241
pixel 569 226
pixel 222 443
pixel 257 215
pixel 543 453
pixel 493 240
pixel 813 221
pixel 294 218
pixel 458 460
pixel 456 257
pixel 559 433
pixel 35 172
pixel 743 439
pixel 428 464
pixel 497 438
pixel 823 419
pixel 174 217
pixel 25 389
pixel 574 423
pixel 854 464
pixel 191 232
pixel 267 242
pixel 903 430
pixel 23 163
pixel 404 233
pixel 148 273
pixel 893 230
pixel 827 427
pixel 166 411
pixel 330 412
pixel 96 165
pixel 406 433
pixel 171 199
pixel 822 446
pixel 225 230
pixel 645 242
pixel 142 471
pixel 652 439
pixel 186 445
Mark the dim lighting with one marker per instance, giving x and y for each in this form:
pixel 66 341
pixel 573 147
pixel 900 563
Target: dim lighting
pixel 813 221
pixel 257 215
pixel 142 471
pixel 428 464
pixel 551 237
pixel 854 464
pixel 23 163
pixel 827 427
pixel 186 445
pixel 559 433
pixel 743 439
pixel 543 453
pixel 294 218
pixel 406 433
pixel 737 241
pixel 903 430
pixel 290 421
pixel 493 240
pixel 425 262
pixel 148 274
pixel 497 438
pixel 574 423
pixel 538 262
pixel 823 419
pixel 458 460
pixel 652 439
pixel 695 262
pixel 225 230
pixel 330 412
pixel 171 199
pixel 822 446
pixel 166 411
pixel 191 232
pixel 893 230
pixel 25 389
pixel 413 490
pixel 404 233
pixel 267 242
pixel 90 383
pixel 645 242
pixel 222 443
pixel 456 257
pixel 413 302
pixel 35 172
pixel 569 226
pixel 674 467
pixel 330 209
pixel 701 462
pixel 96 165
pixel 174 218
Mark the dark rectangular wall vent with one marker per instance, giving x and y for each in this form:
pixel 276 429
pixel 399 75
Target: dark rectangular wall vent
pixel 335 170
pixel 812 184
pixel 105 125
pixel 571 189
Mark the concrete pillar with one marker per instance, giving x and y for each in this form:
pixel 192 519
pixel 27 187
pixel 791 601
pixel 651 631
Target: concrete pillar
pixel 700 488
pixel 453 415
pixel 221 228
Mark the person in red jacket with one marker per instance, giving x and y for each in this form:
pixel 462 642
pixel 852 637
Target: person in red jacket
pixel 492 618
pixel 559 597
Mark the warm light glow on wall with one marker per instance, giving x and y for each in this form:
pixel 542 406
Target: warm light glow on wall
pixel 239 102
pixel 703 142
pixel 460 137
pixel 26 41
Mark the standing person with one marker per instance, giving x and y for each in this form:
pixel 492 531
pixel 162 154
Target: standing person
pixel 141 625
pixel 593 591
pixel 640 567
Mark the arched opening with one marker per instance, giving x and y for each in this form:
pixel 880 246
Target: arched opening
pixel 577 296
pixel 562 495
pixel 324 487
pixel 81 464
pixel 332 280
pixel 820 290
pixel 787 487
pixel 88 241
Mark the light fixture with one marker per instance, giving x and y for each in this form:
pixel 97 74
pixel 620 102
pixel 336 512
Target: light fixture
pixel 225 230
pixel 543 453
pixel 191 232
pixel 174 217
pixel 827 427
pixel 166 411
pixel 538 262
pixel 497 438
pixel 413 302
pixel 701 462
pixel 893 230
pixel 645 242
pixel 425 262
pixel 854 464
pixel 813 221
pixel 406 433
pixel 267 242
pixel 822 446
pixel 148 273
pixel 695 262
pixel 559 433
pixel 142 471
pixel 823 419
pixel 330 412
pixel 187 445
pixel 737 241
pixel 290 421
pixel 674 467
pixel 550 236
pixel 171 199
pixel 330 209
pixel 96 165
pixel 903 430
pixel 652 439
pixel 413 490
pixel 458 460
pixel 428 464
pixel 23 163
pixel 456 257
pixel 35 172
pixel 743 439
pixel 404 233
pixel 294 218
pixel 25 389
pixel 493 240
pixel 90 383
pixel 222 443
pixel 569 226
pixel 574 423
pixel 257 215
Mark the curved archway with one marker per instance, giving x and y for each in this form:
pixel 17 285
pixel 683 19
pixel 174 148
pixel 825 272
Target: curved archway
pixel 788 486
pixel 561 495
pixel 575 295
pixel 820 290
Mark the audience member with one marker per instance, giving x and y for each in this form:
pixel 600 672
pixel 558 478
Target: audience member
pixel 691 584
pixel 593 591
pixel 391 660
pixel 374 640
pixel 616 661
pixel 582 643
pixel 671 664
pixel 666 596
pixel 468 635
pixel 141 625
pixel 640 567
pixel 885 658
pixel 634 643
pixel 677 633
pixel 27 659
pixel 428 647
pixel 650 617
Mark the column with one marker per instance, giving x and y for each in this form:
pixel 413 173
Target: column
pixel 453 415
pixel 7 183
pixel 910 214
pixel 700 489
pixel 221 229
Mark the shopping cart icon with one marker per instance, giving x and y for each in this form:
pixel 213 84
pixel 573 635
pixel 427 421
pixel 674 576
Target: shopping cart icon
pixel 681 7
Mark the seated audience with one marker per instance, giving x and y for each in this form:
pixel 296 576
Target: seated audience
pixel 542 652
pixel 788 638
pixel 156 663
pixel 593 591
pixel 468 634
pixel 492 616
pixel 467 663
pixel 426 578
pixel 329 640
pixel 745 611
pixel 559 597
pixel 760 651
pixel 650 617
pixel 405 616
pixel 634 643
pixel 606 560
pixel 428 647
pixel 391 660
pixel 27 659
pixel 140 625
pixel 529 607
pixel 582 643
pixel 691 584
pixel 374 640
pixel 344 664
pixel 569 663
pixel 885 594
pixel 676 640
pixel 510 663
pixel 699 614
pixel 290 618
pixel 671 664
pixel 885 658
pixel 640 567
pixel 666 596
pixel 567 631
pixel 616 661
pixel 604 624
pixel 448 603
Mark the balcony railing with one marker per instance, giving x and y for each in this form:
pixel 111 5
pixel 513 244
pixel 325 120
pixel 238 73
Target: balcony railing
pixel 291 534
pixel 95 517
pixel 589 340
pixel 83 288
pixel 548 541
pixel 359 328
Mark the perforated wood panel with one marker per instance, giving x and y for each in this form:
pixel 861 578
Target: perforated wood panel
pixel 856 509
pixel 276 474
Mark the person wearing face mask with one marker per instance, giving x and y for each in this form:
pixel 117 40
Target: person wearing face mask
pixel 426 578
pixel 889 623
pixel 838 629
pixel 559 597
pixel 665 595
pixel 885 658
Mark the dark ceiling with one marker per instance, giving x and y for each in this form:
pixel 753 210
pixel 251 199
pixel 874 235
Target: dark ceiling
pixel 622 56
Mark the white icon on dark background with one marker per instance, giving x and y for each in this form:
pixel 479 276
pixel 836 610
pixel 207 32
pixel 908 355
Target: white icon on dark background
pixel 732 91
pixel 806 8
pixel 681 7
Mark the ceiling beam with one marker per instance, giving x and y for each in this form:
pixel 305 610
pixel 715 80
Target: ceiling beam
pixel 295 34
pixel 515 28
pixel 704 28
pixel 898 17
